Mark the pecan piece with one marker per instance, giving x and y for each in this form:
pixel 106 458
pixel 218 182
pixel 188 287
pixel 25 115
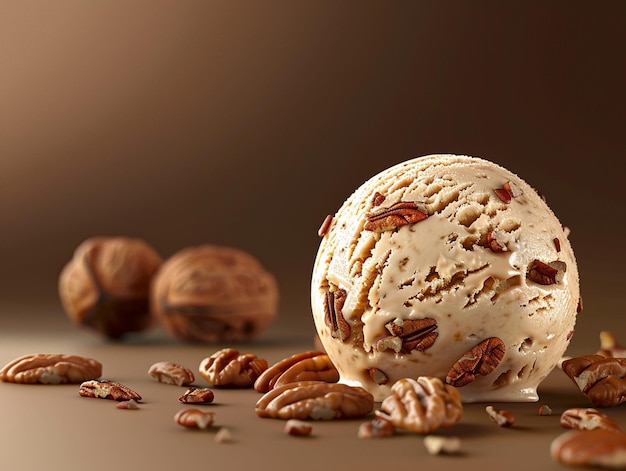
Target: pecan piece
pixel 408 335
pixel 323 230
pixel 108 390
pixel 390 218
pixel 546 273
pixel 599 447
pixel 602 380
pixel 507 192
pixel 168 372
pixel 501 417
pixel 50 368
pixel 298 428
pixel 315 400
pixel 194 418
pixel 305 366
pixel 333 316
pixel 378 427
pixel 480 360
pixel 197 396
pixel 228 367
pixel 609 346
pixel 580 418
pixel 422 405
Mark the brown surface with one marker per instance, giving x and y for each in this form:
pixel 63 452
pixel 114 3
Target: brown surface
pixel 245 123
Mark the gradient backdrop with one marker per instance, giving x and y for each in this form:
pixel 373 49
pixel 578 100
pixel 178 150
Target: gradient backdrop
pixel 245 122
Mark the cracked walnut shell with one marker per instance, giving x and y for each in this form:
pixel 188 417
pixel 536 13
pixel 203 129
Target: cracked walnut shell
pixel 213 293
pixel 106 285
pixel 422 405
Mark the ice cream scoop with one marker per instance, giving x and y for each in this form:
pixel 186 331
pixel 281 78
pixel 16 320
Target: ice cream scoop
pixel 446 266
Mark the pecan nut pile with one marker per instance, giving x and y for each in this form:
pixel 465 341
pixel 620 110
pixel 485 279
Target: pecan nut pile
pixel 602 380
pixel 50 368
pixel 228 367
pixel 316 400
pixel 422 405
pixel 305 366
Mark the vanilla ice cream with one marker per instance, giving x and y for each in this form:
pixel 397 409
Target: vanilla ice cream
pixel 447 266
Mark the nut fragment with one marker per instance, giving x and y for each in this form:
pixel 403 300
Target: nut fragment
pixel 408 335
pixel 503 418
pixel 108 390
pixel 422 405
pixel 598 447
pixel 212 293
pixel 315 400
pixel 437 445
pixel 579 418
pixel 298 428
pixel 50 368
pixel 333 316
pixel 194 418
pixel 610 347
pixel 378 427
pixel 483 359
pixel 390 218
pixel 544 409
pixel 168 372
pixel 602 380
pixel 131 404
pixel 228 367
pixel 223 435
pixel 546 273
pixel 305 366
pixel 197 396
pixel 323 230
pixel 106 285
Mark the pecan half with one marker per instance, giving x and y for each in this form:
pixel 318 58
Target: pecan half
pixel 333 316
pixel 50 368
pixel 108 390
pixel 168 372
pixel 194 418
pixel 315 400
pixel 580 418
pixel 483 359
pixel 602 380
pixel 422 405
pixel 546 273
pixel 390 218
pixel 599 447
pixel 408 335
pixel 228 367
pixel 305 366
pixel 197 396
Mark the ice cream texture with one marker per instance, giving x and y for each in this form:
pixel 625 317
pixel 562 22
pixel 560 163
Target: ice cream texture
pixel 447 266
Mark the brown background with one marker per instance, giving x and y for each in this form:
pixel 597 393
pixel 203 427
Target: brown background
pixel 244 123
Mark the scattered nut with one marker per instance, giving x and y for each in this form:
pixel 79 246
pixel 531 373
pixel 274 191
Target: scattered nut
pixel 598 447
pixel 378 427
pixel 194 418
pixel 228 367
pixel 323 230
pixel 197 396
pixel 106 285
pixel 602 380
pixel 298 428
pixel 108 390
pixel 171 373
pixel 545 410
pixel 50 368
pixel 422 405
pixel 609 346
pixel 586 419
pixel 306 366
pixel 223 435
pixel 503 418
pixel 214 294
pixel 437 445
pixel 131 404
pixel 315 400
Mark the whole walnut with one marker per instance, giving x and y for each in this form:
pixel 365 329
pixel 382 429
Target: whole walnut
pixel 213 293
pixel 106 285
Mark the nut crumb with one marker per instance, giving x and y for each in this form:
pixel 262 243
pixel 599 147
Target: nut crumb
pixel 298 428
pixel 503 418
pixel 438 445
pixel 223 435
pixel 545 410
pixel 131 404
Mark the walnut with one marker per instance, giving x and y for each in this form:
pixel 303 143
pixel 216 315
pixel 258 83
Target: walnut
pixel 305 366
pixel 422 405
pixel 214 294
pixel 316 400
pixel 106 285
pixel 602 380
pixel 228 367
